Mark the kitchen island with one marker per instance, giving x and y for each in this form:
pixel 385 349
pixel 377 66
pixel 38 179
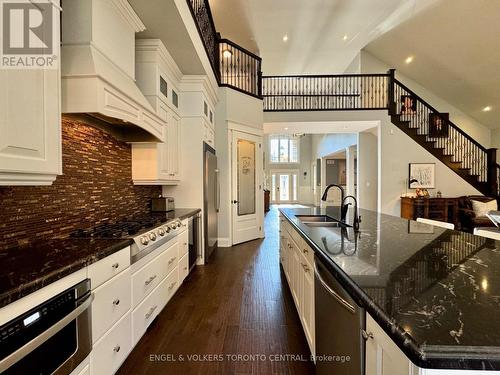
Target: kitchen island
pixel 434 292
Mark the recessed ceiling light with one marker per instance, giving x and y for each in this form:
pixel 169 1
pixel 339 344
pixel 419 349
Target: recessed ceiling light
pixel 286 128
pixel 227 54
pixel 345 37
pixel 487 108
pixel 409 59
pixel 285 38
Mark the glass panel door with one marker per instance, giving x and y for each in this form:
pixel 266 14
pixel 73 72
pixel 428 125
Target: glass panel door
pixel 246 177
pixel 284 187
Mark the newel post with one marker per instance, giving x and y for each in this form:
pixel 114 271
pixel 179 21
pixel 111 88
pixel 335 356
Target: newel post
pixel 492 177
pixel 390 91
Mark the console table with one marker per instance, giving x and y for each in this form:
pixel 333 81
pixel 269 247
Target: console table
pixel 442 209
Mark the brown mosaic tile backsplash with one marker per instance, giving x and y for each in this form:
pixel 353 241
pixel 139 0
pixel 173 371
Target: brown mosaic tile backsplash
pixel 96 186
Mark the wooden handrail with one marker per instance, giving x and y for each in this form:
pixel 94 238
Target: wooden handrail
pixel 468 137
pixel 242 49
pixel 328 75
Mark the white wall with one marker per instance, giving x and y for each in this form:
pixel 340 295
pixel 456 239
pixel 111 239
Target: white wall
pixel 367 170
pixel 326 144
pixel 397 151
pixel 495 140
pixel 478 131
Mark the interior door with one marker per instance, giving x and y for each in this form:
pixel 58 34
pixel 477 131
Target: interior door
pixel 247 196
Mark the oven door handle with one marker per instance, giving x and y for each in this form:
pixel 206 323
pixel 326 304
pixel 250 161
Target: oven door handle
pixel 30 346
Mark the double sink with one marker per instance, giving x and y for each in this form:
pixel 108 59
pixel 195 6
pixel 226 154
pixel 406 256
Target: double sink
pixel 321 221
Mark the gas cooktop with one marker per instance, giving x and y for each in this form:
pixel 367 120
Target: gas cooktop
pixel 148 232
pixel 122 229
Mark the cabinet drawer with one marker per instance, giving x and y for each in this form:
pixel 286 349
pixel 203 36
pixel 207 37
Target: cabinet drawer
pixel 307 252
pixel 171 285
pixel 111 350
pixel 172 257
pixel 146 312
pixel 296 238
pixel 108 267
pixel 183 243
pixel 149 276
pixel 183 268
pixel 112 300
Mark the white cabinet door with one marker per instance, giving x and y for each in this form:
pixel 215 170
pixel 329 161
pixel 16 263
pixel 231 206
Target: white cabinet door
pixel 383 357
pixel 30 127
pixel 308 304
pixel 174 141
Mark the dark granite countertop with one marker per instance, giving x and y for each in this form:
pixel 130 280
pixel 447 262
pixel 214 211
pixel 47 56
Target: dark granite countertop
pixel 435 292
pixel 25 269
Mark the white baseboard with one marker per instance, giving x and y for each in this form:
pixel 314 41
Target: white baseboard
pixel 224 242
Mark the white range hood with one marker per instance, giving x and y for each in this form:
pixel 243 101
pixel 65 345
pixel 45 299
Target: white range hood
pixel 98 70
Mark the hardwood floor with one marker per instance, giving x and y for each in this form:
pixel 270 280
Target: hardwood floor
pixel 239 304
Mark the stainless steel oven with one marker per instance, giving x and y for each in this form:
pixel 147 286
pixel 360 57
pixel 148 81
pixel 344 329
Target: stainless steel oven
pixel 52 338
pixel 194 232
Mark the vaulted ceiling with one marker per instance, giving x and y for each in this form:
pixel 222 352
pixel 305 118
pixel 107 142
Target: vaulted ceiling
pixel 456 54
pixel 323 35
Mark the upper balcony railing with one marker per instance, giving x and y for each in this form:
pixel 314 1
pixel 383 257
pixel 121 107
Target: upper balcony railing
pixel 325 92
pixel 233 65
pixel 239 68
pixel 200 10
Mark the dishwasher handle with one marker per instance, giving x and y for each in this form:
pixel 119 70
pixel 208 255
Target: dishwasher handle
pixel 332 292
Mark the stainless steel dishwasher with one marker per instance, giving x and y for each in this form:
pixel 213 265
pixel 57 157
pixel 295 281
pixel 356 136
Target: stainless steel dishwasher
pixel 340 323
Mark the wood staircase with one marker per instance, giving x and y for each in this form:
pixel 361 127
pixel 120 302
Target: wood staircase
pixel 455 148
pixel 354 92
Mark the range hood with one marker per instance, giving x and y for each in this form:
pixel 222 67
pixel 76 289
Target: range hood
pixel 98 70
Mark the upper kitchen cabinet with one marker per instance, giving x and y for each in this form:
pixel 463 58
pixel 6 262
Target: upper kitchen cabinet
pixel 198 101
pixel 158 78
pixel 98 70
pixel 30 118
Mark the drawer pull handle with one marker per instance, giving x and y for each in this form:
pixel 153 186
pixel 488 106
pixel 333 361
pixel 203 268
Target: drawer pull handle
pixel 305 251
pixel 172 260
pixel 172 285
pixel 304 266
pixel 185 268
pixel 116 302
pixel 150 280
pixel 185 244
pixel 115 265
pixel 116 349
pixel 150 312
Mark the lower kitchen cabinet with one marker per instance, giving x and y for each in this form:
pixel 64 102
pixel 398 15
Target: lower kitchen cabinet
pixel 295 257
pixel 113 348
pixel 383 357
pixel 111 302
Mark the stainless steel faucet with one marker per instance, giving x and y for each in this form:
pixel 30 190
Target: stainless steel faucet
pixel 325 194
pixel 345 207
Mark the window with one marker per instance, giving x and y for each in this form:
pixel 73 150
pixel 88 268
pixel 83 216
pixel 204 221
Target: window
pixel 284 149
pixel 175 99
pixel 163 87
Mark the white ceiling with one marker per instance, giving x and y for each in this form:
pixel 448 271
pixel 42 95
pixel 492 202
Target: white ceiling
pixel 315 30
pixel 456 49
pixel 319 127
pixel 163 21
